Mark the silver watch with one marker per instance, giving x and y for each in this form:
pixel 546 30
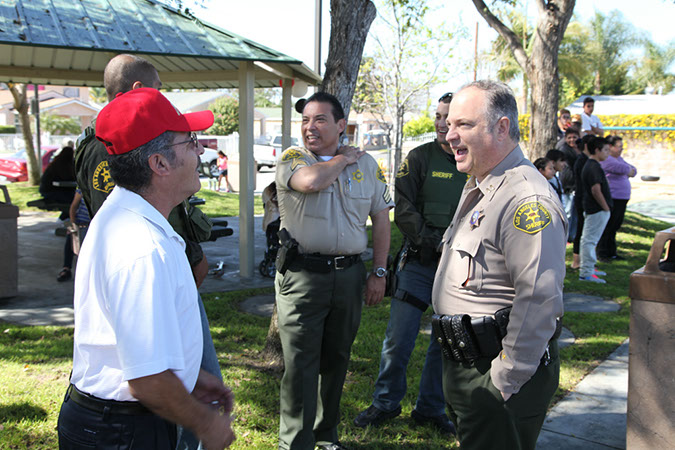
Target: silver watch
pixel 380 272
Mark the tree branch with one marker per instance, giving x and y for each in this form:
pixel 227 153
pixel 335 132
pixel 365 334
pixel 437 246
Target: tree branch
pixel 505 32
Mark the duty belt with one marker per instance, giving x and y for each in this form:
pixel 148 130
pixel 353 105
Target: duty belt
pixel 101 406
pixel 464 339
pixel 325 263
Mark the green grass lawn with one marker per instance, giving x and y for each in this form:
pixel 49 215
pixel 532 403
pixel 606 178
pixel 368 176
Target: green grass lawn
pixel 35 362
pixel 218 204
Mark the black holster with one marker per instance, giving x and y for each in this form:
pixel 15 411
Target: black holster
pixel 287 253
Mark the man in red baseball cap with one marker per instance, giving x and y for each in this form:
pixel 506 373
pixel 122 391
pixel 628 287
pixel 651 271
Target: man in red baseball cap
pixel 136 359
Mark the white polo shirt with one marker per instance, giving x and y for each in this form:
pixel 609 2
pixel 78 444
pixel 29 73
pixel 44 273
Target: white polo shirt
pixel 136 311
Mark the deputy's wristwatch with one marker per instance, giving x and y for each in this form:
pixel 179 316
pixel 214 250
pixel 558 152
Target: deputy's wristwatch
pixel 380 272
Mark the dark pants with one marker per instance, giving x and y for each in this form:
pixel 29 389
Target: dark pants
pixel 607 243
pixel 483 419
pixel 319 315
pixel 580 227
pixel 81 428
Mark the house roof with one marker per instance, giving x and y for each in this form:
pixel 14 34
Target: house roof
pixel 608 105
pixel 69 42
pixel 55 103
pixel 187 101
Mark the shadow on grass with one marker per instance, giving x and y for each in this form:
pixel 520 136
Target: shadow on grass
pixel 17 412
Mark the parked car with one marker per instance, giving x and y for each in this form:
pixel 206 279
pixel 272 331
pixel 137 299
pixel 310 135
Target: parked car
pixel 15 167
pixel 209 159
pixel 266 154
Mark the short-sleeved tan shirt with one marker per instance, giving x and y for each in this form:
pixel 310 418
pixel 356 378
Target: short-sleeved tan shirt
pixel 506 247
pixel 332 221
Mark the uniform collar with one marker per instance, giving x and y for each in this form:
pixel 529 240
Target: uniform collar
pixel 491 183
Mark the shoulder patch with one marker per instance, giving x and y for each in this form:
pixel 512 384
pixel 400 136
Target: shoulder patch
pixel 290 154
pixel 531 217
pixel 102 181
pixel 404 169
pixel 380 175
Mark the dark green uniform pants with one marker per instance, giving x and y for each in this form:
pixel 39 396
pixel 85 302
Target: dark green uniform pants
pixel 484 421
pixel 319 315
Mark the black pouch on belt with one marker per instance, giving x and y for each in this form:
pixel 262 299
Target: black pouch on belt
pixel 461 325
pixel 502 319
pixel 439 335
pixel 487 337
pixel 446 324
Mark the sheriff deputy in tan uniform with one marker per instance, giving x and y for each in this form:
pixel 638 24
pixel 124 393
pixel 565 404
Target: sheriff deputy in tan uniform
pixel 499 284
pixel 325 196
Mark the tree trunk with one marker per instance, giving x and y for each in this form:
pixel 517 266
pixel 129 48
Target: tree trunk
pixel 541 66
pixel 21 105
pixel 350 21
pixel 272 352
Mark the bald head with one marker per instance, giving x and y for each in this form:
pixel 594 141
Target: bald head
pixel 126 72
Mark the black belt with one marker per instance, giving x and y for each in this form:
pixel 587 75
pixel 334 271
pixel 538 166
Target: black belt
pixel 325 263
pixel 465 340
pixel 102 406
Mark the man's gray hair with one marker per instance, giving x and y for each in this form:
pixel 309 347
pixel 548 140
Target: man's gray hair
pixel 500 103
pixel 132 171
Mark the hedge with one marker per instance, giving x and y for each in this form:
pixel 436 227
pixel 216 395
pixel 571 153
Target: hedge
pixel 7 129
pixel 626 120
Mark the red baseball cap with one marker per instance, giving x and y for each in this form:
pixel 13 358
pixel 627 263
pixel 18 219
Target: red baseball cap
pixel 138 116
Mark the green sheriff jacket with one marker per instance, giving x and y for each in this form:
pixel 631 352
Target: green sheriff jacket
pixel 428 187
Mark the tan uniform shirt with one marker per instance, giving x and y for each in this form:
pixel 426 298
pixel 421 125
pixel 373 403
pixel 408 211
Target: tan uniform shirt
pixel 506 247
pixel 331 221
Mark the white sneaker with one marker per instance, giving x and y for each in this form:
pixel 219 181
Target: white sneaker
pixel 593 279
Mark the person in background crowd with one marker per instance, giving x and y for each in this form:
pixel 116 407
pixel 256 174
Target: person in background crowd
pixel 428 188
pixel 618 172
pixel 564 122
pixel 559 165
pixel 571 151
pixel 79 220
pixel 545 167
pixel 498 394
pixel 60 169
pixel 597 203
pixel 590 124
pixel 222 167
pixel 579 198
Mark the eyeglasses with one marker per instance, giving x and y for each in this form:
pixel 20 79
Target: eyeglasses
pixel 193 139
pixel 447 95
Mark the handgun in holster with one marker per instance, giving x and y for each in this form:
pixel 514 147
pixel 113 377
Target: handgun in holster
pixel 287 252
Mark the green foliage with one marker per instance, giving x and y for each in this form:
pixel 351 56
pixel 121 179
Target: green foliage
pixel 625 120
pixel 267 97
pixel 217 204
pixel 420 125
pixel 98 95
pixel 226 112
pixel 60 125
pixel 7 129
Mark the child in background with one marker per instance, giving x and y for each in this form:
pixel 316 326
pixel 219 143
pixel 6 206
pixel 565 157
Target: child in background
pixel 559 164
pixel 545 167
pixel 222 167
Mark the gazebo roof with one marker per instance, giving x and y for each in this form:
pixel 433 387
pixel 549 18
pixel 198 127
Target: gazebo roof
pixel 66 42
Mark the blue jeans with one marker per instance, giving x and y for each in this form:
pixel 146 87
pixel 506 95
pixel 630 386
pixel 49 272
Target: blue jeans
pixel 187 440
pixel 399 342
pixel 594 225
pixel 571 216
